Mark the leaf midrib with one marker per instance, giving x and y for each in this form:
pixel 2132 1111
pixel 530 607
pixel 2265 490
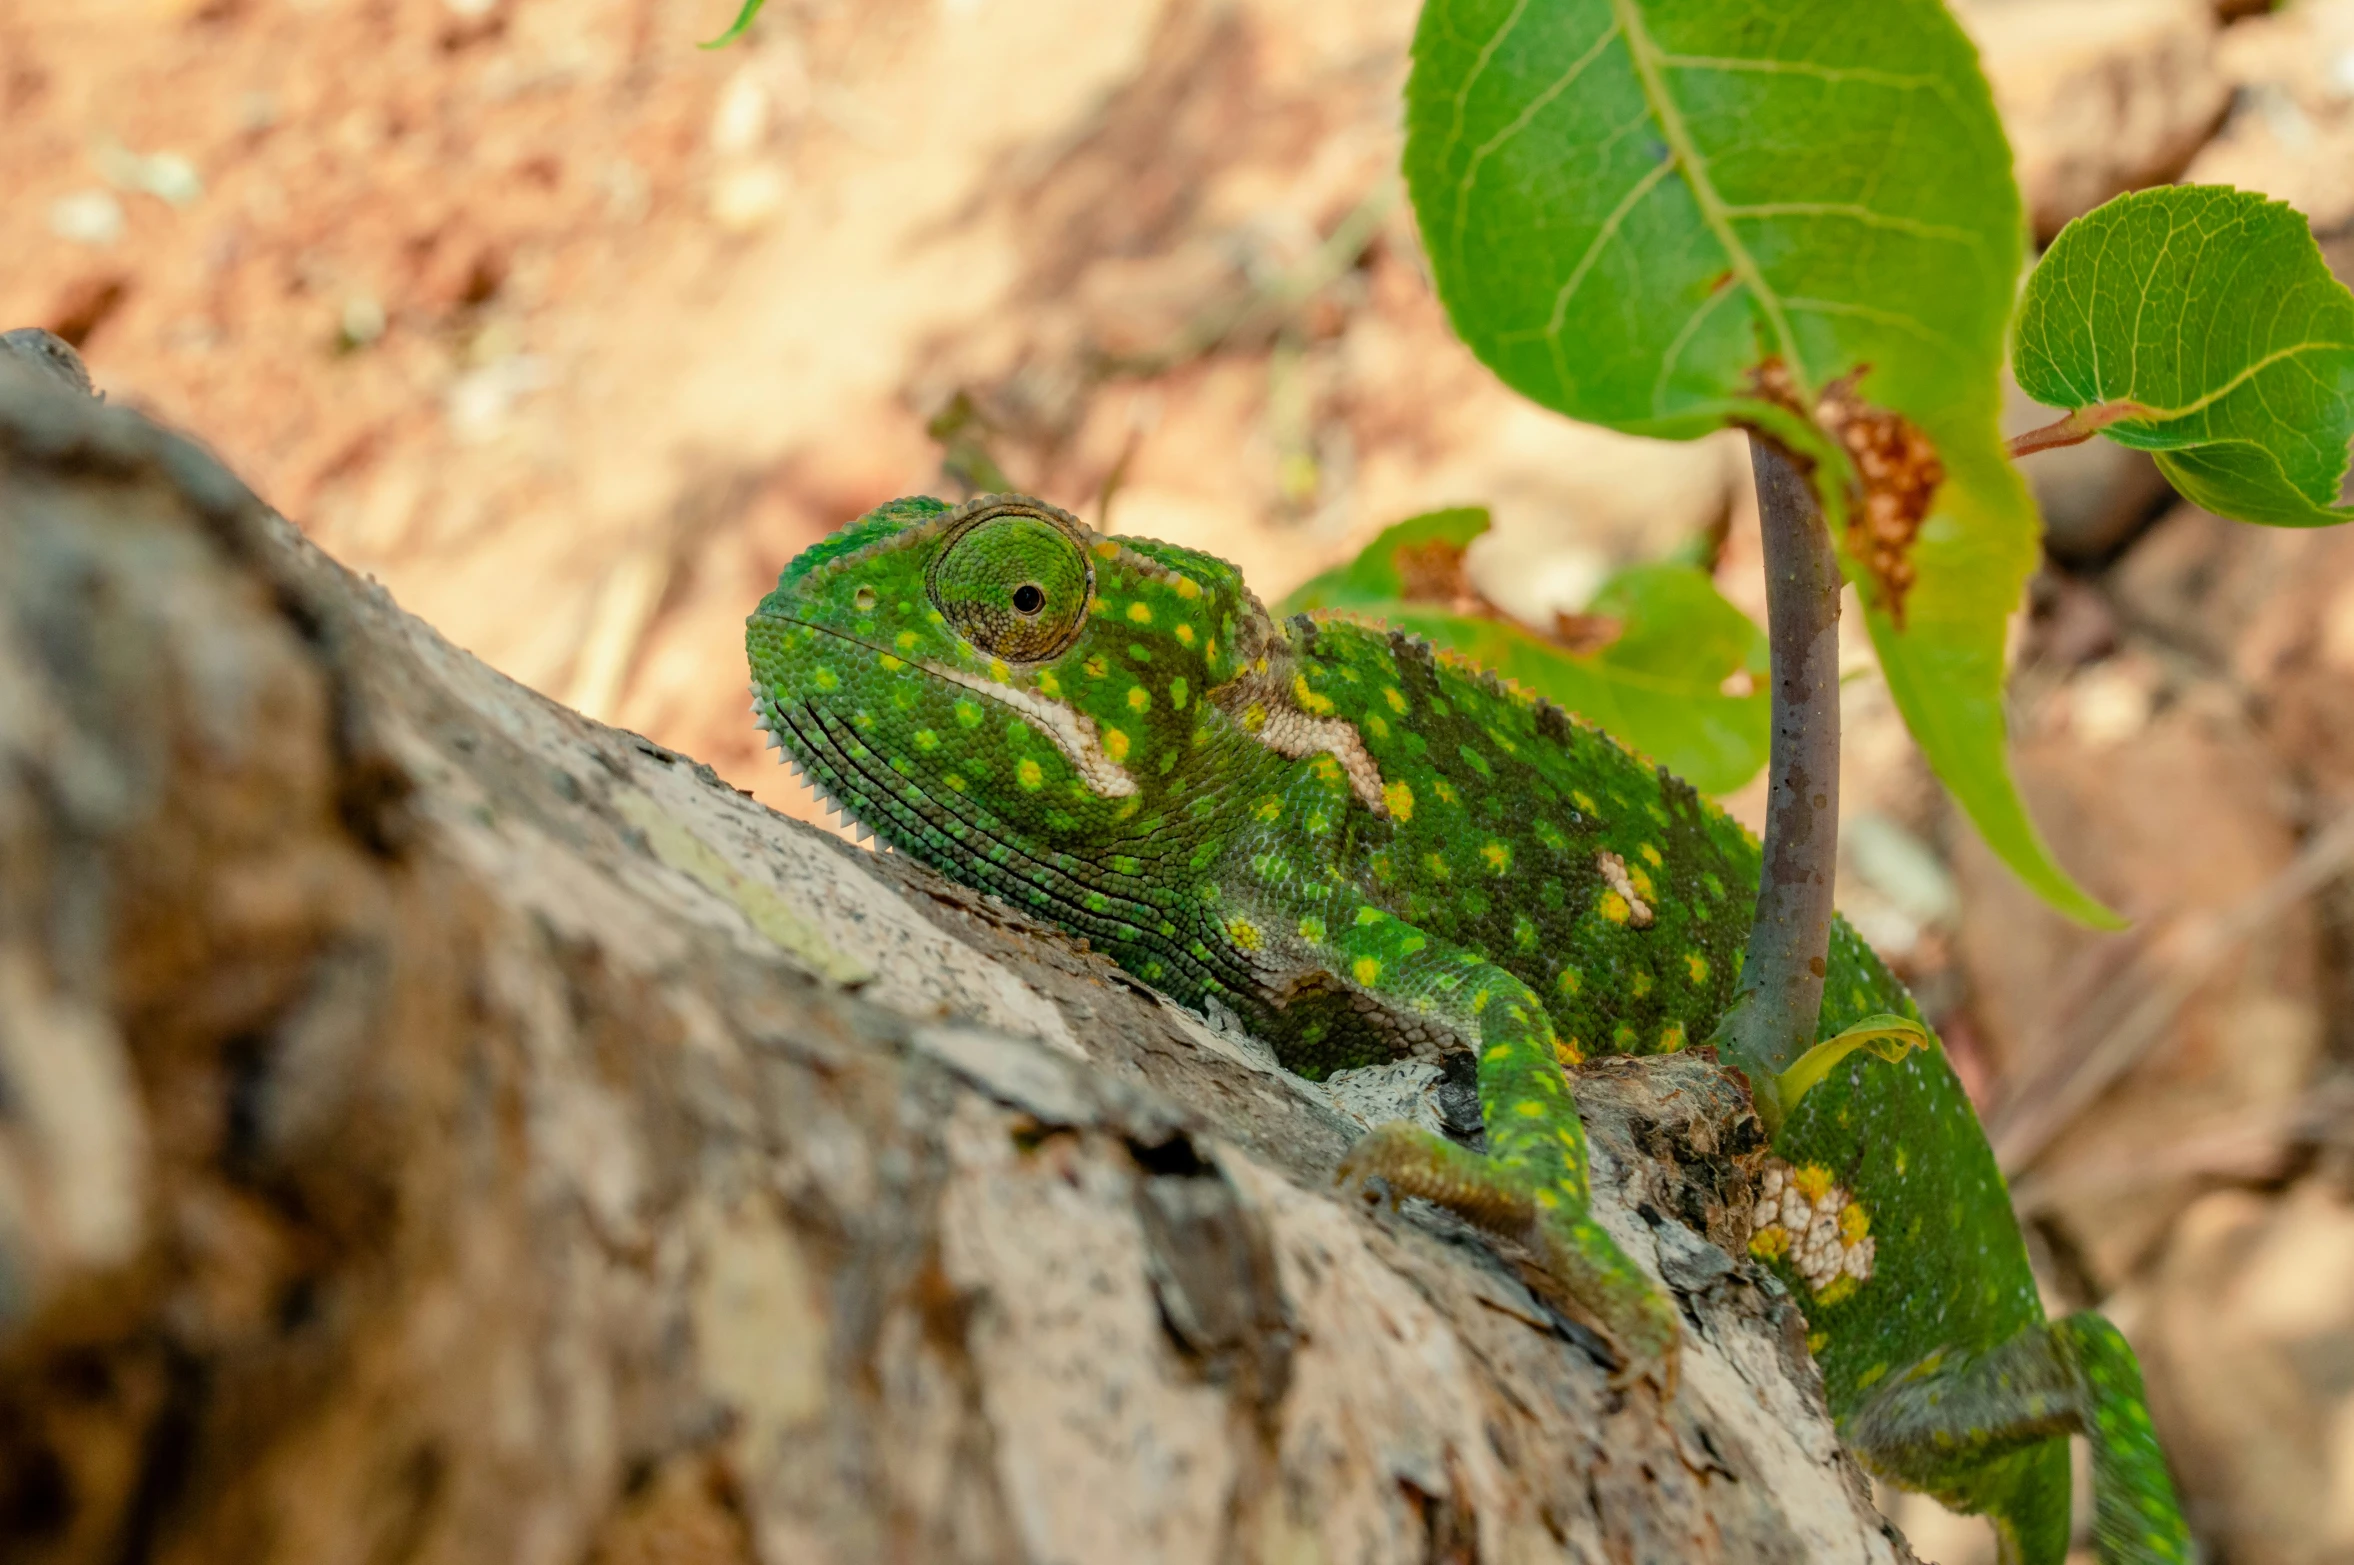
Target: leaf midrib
pixel 1714 210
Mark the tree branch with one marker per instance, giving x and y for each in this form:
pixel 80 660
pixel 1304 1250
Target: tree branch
pixel 1780 1000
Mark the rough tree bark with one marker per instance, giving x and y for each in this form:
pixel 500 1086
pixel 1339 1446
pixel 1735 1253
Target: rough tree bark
pixel 435 1127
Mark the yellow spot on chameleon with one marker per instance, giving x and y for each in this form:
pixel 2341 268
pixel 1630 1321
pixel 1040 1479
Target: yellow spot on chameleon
pixel 968 714
pixel 1309 700
pixel 954 782
pixel 1697 966
pixel 1854 1223
pixel 1498 1055
pixel 1254 717
pixel 1499 857
pixel 1096 667
pixel 1140 612
pixel 825 679
pixel 1367 917
pixel 1048 685
pixel 1030 775
pixel 1244 933
pixel 1583 801
pixel 1813 1181
pixel 1395 698
pixel 1312 929
pixel 1139 699
pixel 908 641
pixel 1839 1287
pixel 1107 550
pixel 1651 855
pixel 1671 1037
pixel 926 739
pixel 1770 1244
pixel 1570 981
pixel 1614 907
pixel 1185 635
pixel 1569 1051
pixel 1479 1002
pixel 1268 808
pixel 1400 798
pixel 1444 789
pixel 1437 864
pixel 1529 1108
pixel 1640 879
pixel 1115 744
pixel 1188 588
pixel 1816 1341
pixel 889 663
pixel 1367 970
pixel 1377 725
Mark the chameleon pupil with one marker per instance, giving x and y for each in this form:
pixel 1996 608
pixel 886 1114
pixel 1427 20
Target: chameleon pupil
pixel 1028 600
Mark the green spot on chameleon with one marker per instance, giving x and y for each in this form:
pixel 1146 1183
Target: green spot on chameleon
pixel 954 783
pixel 1713 886
pixel 1138 652
pixel 1639 984
pixel 1396 699
pixel 1095 667
pixel 1524 932
pixel 1097 902
pixel 1476 761
pixel 1499 857
pixel 1671 1037
pixel 1122 864
pixel 1658 814
pixel 1268 808
pixel 825 678
pixel 1367 917
pixel 1570 981
pixel 1312 929
pixel 1139 699
pixel 968 714
pixel 1624 1038
pixel 1550 835
pixel 1177 693
pixel 1437 864
pixel 1377 725
pixel 926 739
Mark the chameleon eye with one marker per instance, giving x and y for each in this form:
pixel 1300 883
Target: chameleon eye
pixel 1014 578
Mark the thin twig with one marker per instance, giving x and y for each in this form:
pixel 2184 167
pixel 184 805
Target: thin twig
pixel 2075 428
pixel 1780 1001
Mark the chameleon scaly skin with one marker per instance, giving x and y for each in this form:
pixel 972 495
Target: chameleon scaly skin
pixel 1364 850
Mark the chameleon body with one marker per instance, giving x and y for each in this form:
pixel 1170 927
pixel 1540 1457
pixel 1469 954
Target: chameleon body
pixel 1364 849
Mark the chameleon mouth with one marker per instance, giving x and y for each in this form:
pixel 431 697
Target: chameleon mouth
pixel 1068 730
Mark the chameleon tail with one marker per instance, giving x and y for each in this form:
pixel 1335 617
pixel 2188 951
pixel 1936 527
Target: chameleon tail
pixel 2135 1514
pixel 1999 1419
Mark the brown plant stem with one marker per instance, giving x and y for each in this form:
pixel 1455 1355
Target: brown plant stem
pixel 2074 429
pixel 1780 998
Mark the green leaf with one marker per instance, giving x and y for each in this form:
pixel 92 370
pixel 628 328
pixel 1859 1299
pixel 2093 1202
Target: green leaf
pixel 2211 311
pixel 1643 213
pixel 1888 1036
pixel 743 21
pixel 1374 575
pixel 1656 687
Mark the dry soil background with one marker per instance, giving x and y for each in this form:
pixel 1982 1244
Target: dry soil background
pixel 572 334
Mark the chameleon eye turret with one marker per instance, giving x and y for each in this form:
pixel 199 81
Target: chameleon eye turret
pixel 1364 850
pixel 1014 577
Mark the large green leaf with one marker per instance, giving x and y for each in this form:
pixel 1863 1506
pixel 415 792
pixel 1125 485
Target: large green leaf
pixel 1657 685
pixel 1644 213
pixel 2206 317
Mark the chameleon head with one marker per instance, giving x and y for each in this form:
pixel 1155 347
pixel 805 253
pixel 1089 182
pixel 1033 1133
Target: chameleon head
pixel 974 682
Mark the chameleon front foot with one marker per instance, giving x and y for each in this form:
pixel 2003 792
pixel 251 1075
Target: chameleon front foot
pixel 1589 1274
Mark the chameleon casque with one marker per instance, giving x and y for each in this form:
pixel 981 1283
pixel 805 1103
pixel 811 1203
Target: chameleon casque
pixel 1364 849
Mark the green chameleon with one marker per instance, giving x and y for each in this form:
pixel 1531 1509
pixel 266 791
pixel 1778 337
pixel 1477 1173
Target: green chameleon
pixel 1366 850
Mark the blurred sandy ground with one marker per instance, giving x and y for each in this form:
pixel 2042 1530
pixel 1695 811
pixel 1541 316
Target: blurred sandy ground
pixel 572 334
